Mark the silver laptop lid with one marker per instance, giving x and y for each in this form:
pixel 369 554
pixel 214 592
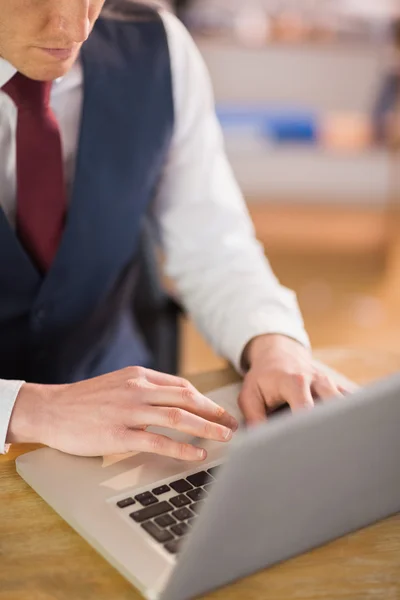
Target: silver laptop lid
pixel 294 484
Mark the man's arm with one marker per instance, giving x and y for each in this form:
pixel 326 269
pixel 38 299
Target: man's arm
pixel 219 268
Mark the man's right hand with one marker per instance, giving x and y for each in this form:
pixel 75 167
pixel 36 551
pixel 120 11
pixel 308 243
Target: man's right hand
pixel 110 414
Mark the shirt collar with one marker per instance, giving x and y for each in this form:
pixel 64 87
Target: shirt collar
pixel 7 71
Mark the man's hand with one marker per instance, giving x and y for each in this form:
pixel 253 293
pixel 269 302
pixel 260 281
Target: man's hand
pixel 281 371
pixel 110 415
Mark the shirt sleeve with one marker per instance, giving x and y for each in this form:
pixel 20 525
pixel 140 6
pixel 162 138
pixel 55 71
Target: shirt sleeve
pixel 211 253
pixel 9 391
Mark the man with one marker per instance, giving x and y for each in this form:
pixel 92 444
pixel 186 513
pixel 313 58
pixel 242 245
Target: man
pixel 97 113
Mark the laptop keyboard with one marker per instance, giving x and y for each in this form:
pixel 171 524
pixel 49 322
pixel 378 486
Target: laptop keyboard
pixel 167 521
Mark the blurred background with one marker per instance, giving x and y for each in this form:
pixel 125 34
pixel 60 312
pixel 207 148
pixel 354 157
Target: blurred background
pixel 308 95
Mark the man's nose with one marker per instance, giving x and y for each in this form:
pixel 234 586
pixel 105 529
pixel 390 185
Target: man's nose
pixel 71 20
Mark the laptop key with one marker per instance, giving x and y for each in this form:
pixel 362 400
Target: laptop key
pixel 165 521
pixel 196 494
pixel 197 507
pixel 151 512
pixel 146 499
pixel 181 486
pixel 126 502
pixel 182 514
pixel 161 535
pixel 191 521
pixel 163 489
pixel 199 479
pixel 180 501
pixel 180 529
pixel 213 470
pixel 174 546
pixel 208 488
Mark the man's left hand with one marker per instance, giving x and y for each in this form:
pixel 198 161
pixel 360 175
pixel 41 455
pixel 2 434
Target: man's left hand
pixel 281 371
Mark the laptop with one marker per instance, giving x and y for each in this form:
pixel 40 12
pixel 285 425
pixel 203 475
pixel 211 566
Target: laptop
pixel 177 531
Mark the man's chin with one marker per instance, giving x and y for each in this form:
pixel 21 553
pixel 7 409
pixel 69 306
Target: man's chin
pixel 49 68
pixel 60 71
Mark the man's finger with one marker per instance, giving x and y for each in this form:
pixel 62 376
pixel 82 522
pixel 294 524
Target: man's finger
pixel 296 392
pixel 190 400
pixel 154 377
pixel 324 388
pixel 252 403
pixel 140 441
pixel 181 420
pixel 348 389
pixel 164 379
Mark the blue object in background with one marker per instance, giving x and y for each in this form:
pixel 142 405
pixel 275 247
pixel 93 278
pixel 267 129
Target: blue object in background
pixel 242 119
pixel 291 128
pixel 279 125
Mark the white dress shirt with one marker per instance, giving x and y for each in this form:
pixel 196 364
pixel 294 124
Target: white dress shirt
pixel 218 267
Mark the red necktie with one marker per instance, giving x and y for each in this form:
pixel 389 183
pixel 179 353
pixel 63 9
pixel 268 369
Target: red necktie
pixel 41 190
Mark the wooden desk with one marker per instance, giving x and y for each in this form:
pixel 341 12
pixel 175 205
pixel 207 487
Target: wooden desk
pixel 42 558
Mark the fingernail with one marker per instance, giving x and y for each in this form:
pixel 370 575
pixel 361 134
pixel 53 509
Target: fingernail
pixel 201 454
pixel 234 425
pixel 226 433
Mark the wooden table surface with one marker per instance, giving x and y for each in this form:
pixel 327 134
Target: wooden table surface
pixel 42 558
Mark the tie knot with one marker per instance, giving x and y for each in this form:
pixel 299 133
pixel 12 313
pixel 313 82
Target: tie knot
pixel 28 93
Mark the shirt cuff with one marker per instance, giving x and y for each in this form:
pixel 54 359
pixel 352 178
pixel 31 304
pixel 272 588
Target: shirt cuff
pixel 274 325
pixel 9 391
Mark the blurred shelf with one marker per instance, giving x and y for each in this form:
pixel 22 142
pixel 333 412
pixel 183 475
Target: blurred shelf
pixel 312 174
pixel 344 78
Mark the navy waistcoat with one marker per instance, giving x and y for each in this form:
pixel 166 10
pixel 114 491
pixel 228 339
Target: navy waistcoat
pixel 76 321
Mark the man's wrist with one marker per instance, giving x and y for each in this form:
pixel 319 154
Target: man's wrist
pixel 258 346
pixel 26 423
